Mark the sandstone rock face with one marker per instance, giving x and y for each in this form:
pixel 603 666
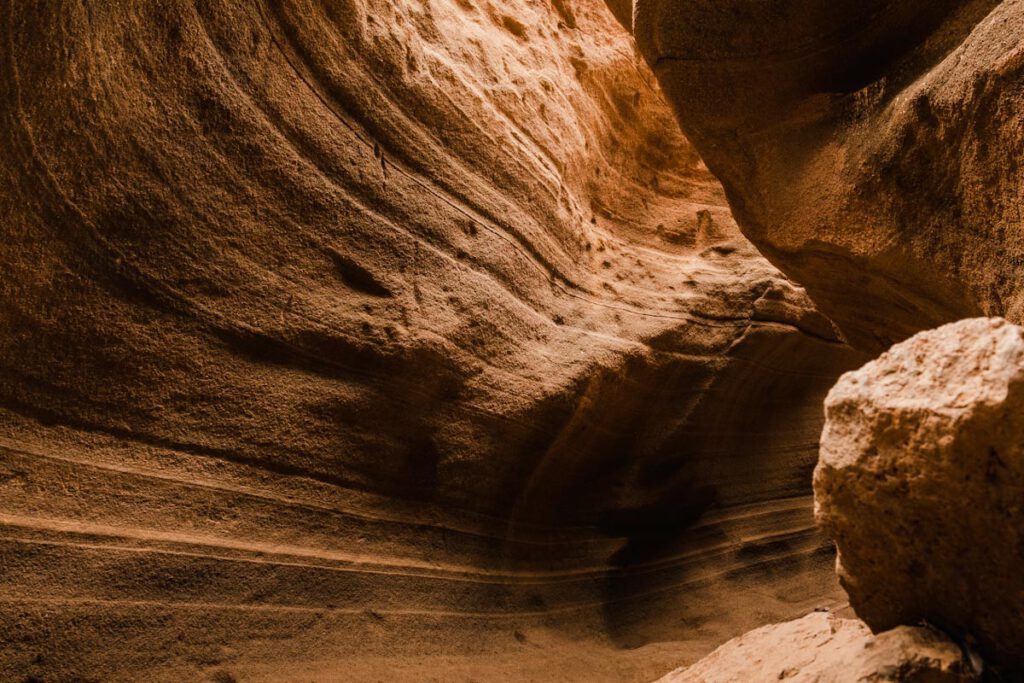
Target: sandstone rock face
pixel 821 648
pixel 870 149
pixel 382 336
pixel 921 483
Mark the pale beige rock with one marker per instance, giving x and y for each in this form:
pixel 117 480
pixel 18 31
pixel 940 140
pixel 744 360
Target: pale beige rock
pixel 921 482
pixel 821 648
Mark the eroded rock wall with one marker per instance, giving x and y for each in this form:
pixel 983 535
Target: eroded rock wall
pixel 365 336
pixel 869 149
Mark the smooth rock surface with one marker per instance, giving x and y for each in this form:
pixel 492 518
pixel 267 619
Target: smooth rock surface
pixel 382 336
pixel 921 484
pixel 870 149
pixel 821 648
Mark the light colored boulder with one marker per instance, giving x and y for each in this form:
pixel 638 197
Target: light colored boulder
pixel 822 648
pixel 920 483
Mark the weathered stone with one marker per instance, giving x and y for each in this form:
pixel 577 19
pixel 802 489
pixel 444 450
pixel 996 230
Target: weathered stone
pixel 870 149
pixel 403 335
pixel 821 648
pixel 921 484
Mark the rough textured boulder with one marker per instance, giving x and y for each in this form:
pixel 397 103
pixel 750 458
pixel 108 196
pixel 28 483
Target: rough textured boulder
pixel 871 149
pixel 821 648
pixel 382 336
pixel 921 484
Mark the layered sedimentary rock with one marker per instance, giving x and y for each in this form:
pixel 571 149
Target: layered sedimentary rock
pixel 821 648
pixel 921 480
pixel 870 149
pixel 382 336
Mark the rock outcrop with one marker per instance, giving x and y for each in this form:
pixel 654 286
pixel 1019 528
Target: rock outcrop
pixel 921 484
pixel 870 149
pixel 382 336
pixel 821 648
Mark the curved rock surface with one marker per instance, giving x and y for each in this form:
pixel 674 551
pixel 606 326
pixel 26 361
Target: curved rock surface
pixel 382 336
pixel 821 648
pixel 921 483
pixel 869 149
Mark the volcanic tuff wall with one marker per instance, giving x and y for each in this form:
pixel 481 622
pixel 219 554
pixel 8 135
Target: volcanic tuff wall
pixel 382 335
pixel 871 149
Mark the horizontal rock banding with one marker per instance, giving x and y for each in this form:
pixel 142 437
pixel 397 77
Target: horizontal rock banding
pixel 333 328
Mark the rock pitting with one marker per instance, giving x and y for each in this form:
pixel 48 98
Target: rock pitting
pixel 921 484
pixel 411 339
pixel 382 336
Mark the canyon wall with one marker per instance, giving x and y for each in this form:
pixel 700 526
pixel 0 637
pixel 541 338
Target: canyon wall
pixel 871 149
pixel 378 335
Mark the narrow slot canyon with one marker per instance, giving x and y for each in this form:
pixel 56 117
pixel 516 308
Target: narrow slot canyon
pixel 414 340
